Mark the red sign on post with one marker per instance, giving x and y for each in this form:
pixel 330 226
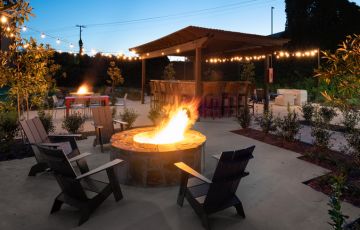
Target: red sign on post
pixel 271 75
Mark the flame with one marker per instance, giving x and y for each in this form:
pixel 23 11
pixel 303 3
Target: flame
pixel 83 89
pixel 181 117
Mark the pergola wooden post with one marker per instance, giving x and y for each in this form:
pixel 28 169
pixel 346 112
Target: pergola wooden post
pixel 197 72
pixel 143 78
pixel 266 82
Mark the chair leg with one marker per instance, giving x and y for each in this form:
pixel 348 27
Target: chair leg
pixel 182 189
pixel 240 209
pixel 205 221
pixel 38 167
pixel 114 183
pixel 56 206
pixel 101 142
pixel 84 216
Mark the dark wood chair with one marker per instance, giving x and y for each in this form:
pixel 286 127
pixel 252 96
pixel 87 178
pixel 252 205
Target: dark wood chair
pixel 104 125
pixel 36 134
pixel 209 196
pixel 78 190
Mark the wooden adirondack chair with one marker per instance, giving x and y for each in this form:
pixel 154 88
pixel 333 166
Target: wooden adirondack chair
pixel 36 134
pixel 210 196
pixel 104 125
pixel 75 188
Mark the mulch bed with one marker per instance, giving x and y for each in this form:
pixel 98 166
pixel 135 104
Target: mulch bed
pixel 325 158
pixel 332 127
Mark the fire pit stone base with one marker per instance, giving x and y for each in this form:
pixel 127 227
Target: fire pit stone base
pixel 154 165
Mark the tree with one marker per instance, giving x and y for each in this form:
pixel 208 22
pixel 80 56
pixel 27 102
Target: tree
pixel 25 66
pixel 341 72
pixel 248 72
pixel 169 72
pixel 115 75
pixel 320 23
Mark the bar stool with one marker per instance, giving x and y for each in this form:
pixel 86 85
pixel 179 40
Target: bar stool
pixel 162 88
pixel 153 95
pixel 157 94
pixel 230 98
pixel 211 105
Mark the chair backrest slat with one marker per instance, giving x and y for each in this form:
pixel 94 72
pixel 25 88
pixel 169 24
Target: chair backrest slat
pixel 36 134
pixel 64 172
pixel 40 129
pixel 227 176
pixel 102 116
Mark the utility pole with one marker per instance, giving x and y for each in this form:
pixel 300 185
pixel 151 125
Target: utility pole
pixel 272 15
pixel 80 41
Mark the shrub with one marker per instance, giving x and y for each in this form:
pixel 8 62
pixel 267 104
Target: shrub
pixel 353 140
pixel 47 121
pixel 335 213
pixel 244 118
pixel 289 125
pixel 266 121
pixel 73 123
pixel 350 120
pixel 320 133
pixel 129 116
pixel 308 111
pixel 327 113
pixel 155 116
pixel 9 127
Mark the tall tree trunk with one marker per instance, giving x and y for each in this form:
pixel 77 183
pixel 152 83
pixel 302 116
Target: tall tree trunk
pixel 27 105
pixel 18 105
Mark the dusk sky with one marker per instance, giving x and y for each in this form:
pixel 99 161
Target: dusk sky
pixel 113 26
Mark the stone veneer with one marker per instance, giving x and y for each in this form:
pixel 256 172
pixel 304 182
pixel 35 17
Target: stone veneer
pixel 153 165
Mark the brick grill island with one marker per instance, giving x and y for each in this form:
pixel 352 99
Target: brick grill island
pixel 153 164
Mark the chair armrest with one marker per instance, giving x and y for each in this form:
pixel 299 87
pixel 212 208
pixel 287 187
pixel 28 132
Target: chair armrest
pixel 97 126
pixel 80 156
pixel 120 122
pixel 187 169
pixel 49 144
pixel 65 135
pixel 100 168
pixel 216 156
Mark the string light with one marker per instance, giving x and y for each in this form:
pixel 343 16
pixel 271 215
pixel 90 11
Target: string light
pixel 58 41
pixel 297 54
pixel 3 19
pixel 93 51
pixel 278 55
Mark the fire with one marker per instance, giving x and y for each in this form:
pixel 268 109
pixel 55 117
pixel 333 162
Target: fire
pixel 83 89
pixel 172 130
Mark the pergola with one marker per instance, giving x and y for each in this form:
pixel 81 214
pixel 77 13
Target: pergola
pixel 202 43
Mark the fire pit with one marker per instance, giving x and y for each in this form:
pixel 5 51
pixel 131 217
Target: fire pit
pixel 150 153
pixel 153 164
pixel 82 91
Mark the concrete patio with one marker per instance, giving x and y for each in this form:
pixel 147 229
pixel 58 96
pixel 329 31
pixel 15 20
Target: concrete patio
pixel 273 195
